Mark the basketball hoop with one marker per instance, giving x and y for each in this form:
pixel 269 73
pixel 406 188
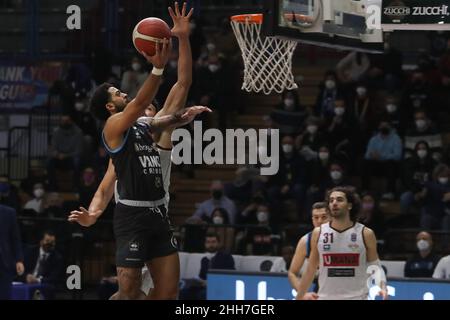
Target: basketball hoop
pixel 267 60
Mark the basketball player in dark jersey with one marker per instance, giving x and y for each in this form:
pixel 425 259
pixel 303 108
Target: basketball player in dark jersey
pixel 141 194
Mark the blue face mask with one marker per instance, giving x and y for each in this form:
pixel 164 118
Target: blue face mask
pixel 4 187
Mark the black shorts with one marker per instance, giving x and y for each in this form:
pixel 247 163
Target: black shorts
pixel 141 235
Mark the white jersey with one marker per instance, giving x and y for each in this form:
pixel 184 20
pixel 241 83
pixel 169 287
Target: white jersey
pixel 343 263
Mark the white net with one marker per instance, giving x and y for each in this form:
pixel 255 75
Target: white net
pixel 267 60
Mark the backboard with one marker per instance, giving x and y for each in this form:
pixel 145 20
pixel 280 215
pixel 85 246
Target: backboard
pixel 330 23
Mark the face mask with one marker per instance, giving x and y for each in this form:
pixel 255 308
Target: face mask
pixel 330 84
pixel 213 67
pixel 385 131
pixel 38 193
pixel 261 216
pixel 336 175
pixel 391 108
pixel 211 46
pixel 339 111
pixel 422 153
pixel 423 245
pixel 311 129
pixel 421 124
pixel 48 246
pixel 136 66
pixel 88 178
pixel 367 206
pixel 79 106
pixel 217 194
pixel 361 91
pixel 218 220
pixel 443 180
pixel 324 155
pixel 289 103
pixel 287 148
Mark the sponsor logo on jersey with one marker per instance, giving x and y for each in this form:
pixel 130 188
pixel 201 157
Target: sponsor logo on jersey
pixel 142 147
pixel 353 237
pixel 158 182
pixel 326 247
pixel 341 272
pixel 340 259
pixel 353 247
pixel 134 246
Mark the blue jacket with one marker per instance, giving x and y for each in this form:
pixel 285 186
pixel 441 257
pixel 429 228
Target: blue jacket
pixel 389 148
pixel 10 243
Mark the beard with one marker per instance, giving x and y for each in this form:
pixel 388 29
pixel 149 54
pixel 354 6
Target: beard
pixel 120 106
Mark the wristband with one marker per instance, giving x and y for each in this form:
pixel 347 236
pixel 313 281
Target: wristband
pixel 157 71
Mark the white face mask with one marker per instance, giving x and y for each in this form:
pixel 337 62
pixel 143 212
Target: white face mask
pixel 336 175
pixel 423 245
pixel 324 155
pixel 421 124
pixel 391 108
pixel 173 64
pixel 79 106
pixel 262 216
pixel 211 46
pixel 136 66
pixel 443 180
pixel 38 193
pixel 217 220
pixel 311 129
pixel 213 67
pixel 289 103
pixel 422 153
pixel 330 84
pixel 339 111
pixel 361 91
pixel 287 148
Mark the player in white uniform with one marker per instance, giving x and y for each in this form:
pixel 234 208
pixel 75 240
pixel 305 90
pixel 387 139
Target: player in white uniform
pixel 345 253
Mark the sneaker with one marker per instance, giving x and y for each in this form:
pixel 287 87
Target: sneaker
pixel 388 196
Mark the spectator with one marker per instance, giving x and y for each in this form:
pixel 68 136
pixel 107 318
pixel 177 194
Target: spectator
pixel 289 182
pixel 37 203
pixel 133 78
pixel 423 130
pixel 65 150
pixel 382 157
pixel 9 194
pixel 417 171
pixel 442 270
pixel 11 256
pixel 221 226
pixel 282 264
pixel 318 169
pixel 310 141
pixel 289 115
pixel 241 189
pixel 417 95
pixel 370 214
pixel 217 200
pixel 392 113
pixel 353 67
pixel 385 70
pixel 214 259
pixel 422 264
pixel 362 107
pixel 86 122
pixel 436 197
pixel 328 92
pixel 88 187
pixel 260 239
pixel 43 264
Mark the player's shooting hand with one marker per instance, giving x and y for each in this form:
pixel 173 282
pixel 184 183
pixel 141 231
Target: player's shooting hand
pixel 161 56
pixel 190 113
pixel 180 20
pixel 84 217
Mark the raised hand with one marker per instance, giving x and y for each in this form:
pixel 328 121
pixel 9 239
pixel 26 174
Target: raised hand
pixel 83 217
pixel 190 113
pixel 180 20
pixel 161 56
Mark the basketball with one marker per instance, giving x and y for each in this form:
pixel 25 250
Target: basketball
pixel 148 32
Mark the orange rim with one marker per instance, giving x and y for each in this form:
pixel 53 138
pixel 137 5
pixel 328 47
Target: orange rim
pixel 248 18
